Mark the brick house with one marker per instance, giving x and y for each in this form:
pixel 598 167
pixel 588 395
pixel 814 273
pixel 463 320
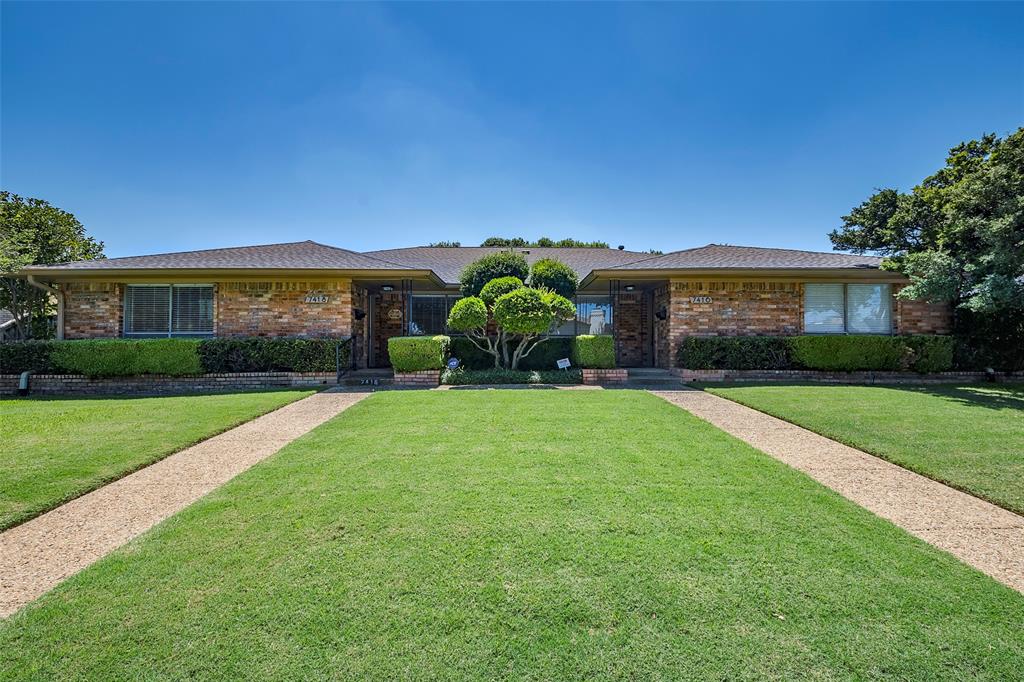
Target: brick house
pixel 647 302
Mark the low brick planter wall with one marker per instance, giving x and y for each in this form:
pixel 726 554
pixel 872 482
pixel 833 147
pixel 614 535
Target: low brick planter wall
pixel 720 375
pixel 427 378
pixel 77 384
pixel 605 376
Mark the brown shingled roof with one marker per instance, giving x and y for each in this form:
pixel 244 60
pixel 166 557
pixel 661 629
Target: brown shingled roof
pixel 723 256
pixel 307 255
pixel 448 263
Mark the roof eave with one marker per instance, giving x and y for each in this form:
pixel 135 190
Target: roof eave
pixel 803 274
pixel 220 274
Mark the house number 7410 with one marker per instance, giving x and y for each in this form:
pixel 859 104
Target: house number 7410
pixel 700 299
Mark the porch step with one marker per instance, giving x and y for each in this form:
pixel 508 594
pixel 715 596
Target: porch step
pixel 368 377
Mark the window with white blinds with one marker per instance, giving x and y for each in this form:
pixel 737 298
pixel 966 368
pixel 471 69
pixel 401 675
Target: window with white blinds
pixel 868 309
pixel 847 309
pixel 168 310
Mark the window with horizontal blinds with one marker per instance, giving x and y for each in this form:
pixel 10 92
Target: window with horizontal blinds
pixel 168 310
pixel 147 310
pixel 824 308
pixel 868 309
pixel 848 308
pixel 191 309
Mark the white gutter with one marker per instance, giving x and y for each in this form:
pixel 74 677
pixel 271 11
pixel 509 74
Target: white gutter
pixel 60 302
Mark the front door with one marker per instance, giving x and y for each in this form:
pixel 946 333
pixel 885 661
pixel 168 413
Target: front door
pixel 387 319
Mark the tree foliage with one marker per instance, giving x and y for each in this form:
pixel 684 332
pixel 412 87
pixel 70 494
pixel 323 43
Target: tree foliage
pixel 508 319
pixel 493 265
pixel 520 243
pixel 959 237
pixel 548 273
pixel 499 287
pixel 32 232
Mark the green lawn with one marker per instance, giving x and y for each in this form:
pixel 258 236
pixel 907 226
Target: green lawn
pixel 55 450
pixel 970 437
pixel 521 535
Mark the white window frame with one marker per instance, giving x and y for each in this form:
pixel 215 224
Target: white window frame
pixel 170 313
pixel 846 310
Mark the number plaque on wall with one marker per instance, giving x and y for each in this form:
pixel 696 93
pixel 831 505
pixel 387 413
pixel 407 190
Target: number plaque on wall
pixel 316 297
pixel 700 299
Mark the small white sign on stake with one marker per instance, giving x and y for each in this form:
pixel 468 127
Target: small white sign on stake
pixel 564 363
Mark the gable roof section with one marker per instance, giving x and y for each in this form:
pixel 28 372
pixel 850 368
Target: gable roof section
pixel 444 265
pixel 307 255
pixel 723 256
pixel 449 263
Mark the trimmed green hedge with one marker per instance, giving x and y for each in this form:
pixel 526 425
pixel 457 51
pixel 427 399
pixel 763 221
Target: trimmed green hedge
pixel 931 353
pixel 849 353
pixel 416 353
pixel 26 356
pixel 282 354
pixel 543 357
pixel 126 357
pixel 739 352
pixel 594 352
pixel 464 377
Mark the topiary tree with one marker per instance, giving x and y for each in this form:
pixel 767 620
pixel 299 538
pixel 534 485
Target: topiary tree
pixel 492 266
pixel 499 287
pixel 508 319
pixel 548 273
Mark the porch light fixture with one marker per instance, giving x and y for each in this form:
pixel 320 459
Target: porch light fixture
pixel 387 287
pixel 629 287
pixel 359 313
pixel 662 313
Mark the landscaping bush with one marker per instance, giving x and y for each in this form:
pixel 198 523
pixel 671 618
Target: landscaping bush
pixel 735 352
pixel 922 354
pixel 556 276
pixel 492 266
pixel 126 357
pixel 593 351
pixel 543 357
pixel 850 353
pixel 26 356
pixel 930 353
pixel 282 354
pixel 467 377
pixel 415 353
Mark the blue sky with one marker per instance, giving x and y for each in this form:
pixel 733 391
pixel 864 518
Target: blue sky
pixel 177 126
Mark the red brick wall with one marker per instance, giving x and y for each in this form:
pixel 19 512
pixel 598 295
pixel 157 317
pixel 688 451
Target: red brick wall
pixel 92 310
pixel 920 317
pixel 632 327
pixel 736 309
pixel 279 309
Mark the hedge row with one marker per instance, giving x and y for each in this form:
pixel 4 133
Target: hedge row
pixel 924 354
pixel 467 377
pixel 594 352
pixel 591 352
pixel 127 357
pixel 416 353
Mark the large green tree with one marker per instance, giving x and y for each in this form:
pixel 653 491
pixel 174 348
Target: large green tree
pixel 32 232
pixel 959 237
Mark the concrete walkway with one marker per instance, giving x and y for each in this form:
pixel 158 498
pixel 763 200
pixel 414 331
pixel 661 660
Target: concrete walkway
pixel 980 534
pixel 39 554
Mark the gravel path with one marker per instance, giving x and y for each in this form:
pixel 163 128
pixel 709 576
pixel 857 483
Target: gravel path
pixel 987 537
pixel 39 554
